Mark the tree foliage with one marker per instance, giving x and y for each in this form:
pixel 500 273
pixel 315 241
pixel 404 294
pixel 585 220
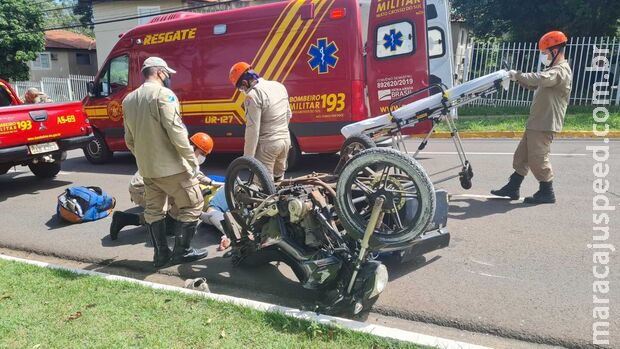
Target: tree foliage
pixel 21 37
pixel 527 20
pixel 67 13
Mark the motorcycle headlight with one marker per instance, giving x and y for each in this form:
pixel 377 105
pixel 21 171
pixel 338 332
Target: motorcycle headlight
pixel 381 280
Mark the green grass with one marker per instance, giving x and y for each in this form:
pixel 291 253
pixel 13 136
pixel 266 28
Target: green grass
pixel 514 119
pixel 42 308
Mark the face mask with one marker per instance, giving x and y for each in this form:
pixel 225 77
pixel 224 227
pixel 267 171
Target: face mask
pixel 201 158
pixel 545 60
pixel 166 81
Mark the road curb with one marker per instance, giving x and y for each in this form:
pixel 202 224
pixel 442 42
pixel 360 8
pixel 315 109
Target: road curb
pixel 377 330
pixel 519 134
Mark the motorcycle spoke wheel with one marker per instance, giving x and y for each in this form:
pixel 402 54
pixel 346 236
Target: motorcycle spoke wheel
pixel 400 180
pixel 248 183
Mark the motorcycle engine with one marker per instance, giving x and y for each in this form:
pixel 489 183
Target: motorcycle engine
pixel 303 224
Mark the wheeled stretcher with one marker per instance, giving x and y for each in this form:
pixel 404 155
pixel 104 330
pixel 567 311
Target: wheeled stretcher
pixel 435 107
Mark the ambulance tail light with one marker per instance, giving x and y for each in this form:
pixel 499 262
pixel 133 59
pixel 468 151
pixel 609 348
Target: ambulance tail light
pixel 358 104
pixel 338 13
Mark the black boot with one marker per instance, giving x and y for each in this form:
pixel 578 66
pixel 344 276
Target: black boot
pixel 183 253
pixel 120 220
pixel 157 231
pixel 170 225
pixel 544 195
pixel 511 189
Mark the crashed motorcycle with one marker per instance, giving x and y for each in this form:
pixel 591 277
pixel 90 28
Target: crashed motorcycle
pixel 329 228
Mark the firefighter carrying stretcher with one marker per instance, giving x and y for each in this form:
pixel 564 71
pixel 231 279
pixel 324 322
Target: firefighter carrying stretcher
pixel 553 87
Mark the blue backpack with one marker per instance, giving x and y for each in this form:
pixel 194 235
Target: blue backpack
pixel 84 204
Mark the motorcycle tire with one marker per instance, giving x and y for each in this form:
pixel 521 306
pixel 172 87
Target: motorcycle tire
pixel 352 146
pixel 246 163
pixel 355 223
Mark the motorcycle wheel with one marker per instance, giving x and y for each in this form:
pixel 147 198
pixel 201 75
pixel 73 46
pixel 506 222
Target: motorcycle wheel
pixel 401 180
pixel 247 182
pixel 351 147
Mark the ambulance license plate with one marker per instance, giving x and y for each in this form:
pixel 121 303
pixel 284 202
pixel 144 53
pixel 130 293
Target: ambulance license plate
pixel 43 148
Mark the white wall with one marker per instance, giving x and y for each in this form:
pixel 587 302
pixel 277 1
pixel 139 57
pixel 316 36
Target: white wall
pixel 107 34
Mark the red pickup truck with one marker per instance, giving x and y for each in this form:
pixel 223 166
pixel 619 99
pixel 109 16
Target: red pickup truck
pixel 39 135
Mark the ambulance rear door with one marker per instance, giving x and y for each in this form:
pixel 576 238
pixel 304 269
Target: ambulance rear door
pixel 440 42
pixel 396 53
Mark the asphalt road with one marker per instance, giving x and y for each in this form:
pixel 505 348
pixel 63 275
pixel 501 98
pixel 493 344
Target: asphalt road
pixel 514 270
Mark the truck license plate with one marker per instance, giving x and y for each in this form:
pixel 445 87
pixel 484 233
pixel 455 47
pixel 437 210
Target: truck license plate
pixel 43 148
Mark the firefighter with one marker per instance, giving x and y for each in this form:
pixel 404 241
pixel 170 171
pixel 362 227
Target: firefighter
pixel 156 135
pixel 33 96
pixel 267 114
pixel 553 87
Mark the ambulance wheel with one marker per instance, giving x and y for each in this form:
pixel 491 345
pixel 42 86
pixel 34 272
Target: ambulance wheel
pixel 294 155
pixel 45 169
pixel 408 191
pixel 4 168
pixel 351 147
pixel 97 151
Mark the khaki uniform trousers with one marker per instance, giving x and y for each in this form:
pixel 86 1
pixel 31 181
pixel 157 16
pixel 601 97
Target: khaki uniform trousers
pixel 533 154
pixel 181 191
pixel 273 154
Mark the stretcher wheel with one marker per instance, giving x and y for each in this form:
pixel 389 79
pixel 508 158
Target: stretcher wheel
pixel 401 180
pixel 466 175
pixel 352 146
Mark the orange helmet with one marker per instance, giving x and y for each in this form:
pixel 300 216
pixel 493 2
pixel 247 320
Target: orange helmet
pixel 236 71
pixel 552 39
pixel 203 141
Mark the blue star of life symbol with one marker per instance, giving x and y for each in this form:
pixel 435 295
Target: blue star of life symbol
pixel 393 39
pixel 323 56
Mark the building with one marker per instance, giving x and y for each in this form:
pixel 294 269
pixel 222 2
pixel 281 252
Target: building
pixel 107 34
pixel 66 53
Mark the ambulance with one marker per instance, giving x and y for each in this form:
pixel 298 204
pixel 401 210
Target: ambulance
pixel 341 61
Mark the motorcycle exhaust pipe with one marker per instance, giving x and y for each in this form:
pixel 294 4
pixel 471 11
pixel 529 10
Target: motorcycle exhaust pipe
pixel 376 216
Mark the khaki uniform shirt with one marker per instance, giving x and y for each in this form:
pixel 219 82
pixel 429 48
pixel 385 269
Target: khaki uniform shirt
pixel 267 114
pixel 155 133
pixel 552 86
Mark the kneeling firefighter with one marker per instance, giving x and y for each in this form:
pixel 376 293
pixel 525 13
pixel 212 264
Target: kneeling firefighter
pixel 204 145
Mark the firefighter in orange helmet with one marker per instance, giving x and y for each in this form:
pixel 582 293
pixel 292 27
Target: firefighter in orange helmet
pixel 553 87
pixel 267 114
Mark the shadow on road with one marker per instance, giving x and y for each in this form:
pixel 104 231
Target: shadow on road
pixel 56 222
pixel 20 183
pixel 121 163
pixel 467 208
pixel 396 269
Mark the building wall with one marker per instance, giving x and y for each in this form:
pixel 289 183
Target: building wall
pixel 65 64
pixel 107 34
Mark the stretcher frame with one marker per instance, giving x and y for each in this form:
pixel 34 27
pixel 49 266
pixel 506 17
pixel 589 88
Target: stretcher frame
pixel 436 107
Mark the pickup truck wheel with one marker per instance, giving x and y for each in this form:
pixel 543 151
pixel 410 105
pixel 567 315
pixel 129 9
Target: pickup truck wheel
pixel 294 155
pixel 4 168
pixel 45 169
pixel 97 151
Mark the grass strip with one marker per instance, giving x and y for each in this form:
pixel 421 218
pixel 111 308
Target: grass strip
pixel 47 308
pixel 572 122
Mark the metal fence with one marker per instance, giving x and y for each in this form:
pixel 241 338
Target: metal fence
pixel 73 88
pixel 485 58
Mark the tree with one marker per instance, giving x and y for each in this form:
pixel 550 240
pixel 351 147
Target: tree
pixel 63 13
pixel 528 20
pixel 21 37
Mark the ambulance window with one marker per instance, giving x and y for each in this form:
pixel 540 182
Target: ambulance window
pixel 395 39
pixel 431 12
pixel 436 42
pixel 116 77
